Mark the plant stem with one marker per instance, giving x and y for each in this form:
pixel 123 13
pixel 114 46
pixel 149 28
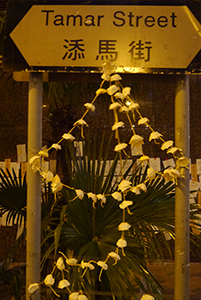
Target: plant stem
pixel 93 223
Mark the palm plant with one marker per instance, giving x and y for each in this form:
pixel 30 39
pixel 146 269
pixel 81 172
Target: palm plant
pixel 88 231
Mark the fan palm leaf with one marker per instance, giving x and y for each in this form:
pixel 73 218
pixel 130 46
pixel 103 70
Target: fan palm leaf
pixel 13 196
pixel 13 199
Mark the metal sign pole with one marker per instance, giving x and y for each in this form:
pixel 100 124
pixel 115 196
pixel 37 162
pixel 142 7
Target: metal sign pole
pixel 34 184
pixel 182 138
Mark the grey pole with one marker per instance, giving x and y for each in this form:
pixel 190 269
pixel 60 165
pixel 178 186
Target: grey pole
pixel 182 139
pixel 34 184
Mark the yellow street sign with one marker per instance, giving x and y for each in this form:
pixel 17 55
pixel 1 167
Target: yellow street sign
pixel 142 37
